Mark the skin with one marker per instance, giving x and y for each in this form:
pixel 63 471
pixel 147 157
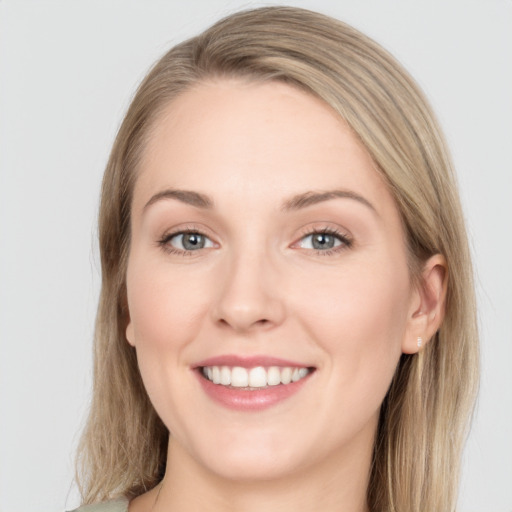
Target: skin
pixel 258 287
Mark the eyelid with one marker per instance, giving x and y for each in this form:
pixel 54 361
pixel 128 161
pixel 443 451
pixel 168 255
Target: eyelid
pixel 163 241
pixel 342 235
pixel 337 240
pixel 182 234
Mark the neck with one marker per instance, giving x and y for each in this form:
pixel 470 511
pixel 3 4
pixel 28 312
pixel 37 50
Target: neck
pixel 338 483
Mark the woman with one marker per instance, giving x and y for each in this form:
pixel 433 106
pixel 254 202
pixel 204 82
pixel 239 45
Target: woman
pixel 287 286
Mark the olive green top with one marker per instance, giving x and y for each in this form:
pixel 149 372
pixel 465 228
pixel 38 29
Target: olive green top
pixel 119 505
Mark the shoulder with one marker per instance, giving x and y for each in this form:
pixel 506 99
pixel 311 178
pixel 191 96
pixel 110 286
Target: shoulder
pixel 119 505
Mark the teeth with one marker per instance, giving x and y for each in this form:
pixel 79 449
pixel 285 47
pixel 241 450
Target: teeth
pixel 258 377
pixel 286 375
pixel 273 376
pixel 239 377
pixel 225 376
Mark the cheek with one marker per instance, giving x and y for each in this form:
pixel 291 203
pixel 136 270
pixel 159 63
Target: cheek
pixel 165 311
pixel 358 316
pixel 164 307
pixel 357 301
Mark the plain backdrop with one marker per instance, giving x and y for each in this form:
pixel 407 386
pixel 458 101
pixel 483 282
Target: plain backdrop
pixel 68 69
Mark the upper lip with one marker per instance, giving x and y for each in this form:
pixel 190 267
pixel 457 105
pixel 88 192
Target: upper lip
pixel 248 361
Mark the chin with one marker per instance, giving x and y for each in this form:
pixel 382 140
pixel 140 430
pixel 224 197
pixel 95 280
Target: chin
pixel 253 468
pixel 250 457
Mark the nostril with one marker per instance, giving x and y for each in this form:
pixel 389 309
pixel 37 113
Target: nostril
pixel 240 325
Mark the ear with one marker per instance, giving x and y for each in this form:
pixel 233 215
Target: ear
pixel 427 308
pixel 130 335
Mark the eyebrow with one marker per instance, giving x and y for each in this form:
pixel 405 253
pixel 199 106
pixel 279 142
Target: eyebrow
pixel 185 196
pixel 311 198
pixel 296 202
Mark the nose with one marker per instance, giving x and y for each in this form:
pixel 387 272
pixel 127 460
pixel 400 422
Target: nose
pixel 249 296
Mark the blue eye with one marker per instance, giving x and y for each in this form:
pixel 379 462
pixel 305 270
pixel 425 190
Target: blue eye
pixel 323 241
pixel 189 241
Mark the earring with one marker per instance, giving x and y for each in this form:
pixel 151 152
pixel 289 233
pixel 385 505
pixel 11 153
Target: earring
pixel 420 341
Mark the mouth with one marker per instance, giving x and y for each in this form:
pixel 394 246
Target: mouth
pixel 251 384
pixel 255 378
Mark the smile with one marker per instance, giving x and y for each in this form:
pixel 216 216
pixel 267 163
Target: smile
pixel 251 383
pixel 258 377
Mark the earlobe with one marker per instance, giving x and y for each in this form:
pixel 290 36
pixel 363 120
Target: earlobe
pixel 129 331
pixel 130 334
pixel 427 309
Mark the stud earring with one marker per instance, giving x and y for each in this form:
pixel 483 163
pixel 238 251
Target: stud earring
pixel 420 341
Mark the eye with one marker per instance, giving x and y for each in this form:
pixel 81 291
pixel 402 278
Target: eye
pixel 324 241
pixel 186 241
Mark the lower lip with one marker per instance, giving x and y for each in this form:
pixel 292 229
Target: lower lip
pixel 250 400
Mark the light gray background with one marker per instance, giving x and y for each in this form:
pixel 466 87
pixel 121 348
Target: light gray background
pixel 67 71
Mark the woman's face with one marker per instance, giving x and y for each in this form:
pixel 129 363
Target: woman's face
pixel 265 246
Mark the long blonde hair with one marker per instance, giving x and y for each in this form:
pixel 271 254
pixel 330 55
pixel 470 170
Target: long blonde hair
pixel 425 415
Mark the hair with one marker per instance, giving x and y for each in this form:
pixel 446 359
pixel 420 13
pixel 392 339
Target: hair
pixel 425 416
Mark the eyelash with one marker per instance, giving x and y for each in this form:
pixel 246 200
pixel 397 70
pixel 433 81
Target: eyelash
pixel 168 248
pixel 346 242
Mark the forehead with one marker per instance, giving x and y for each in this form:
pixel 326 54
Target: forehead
pixel 256 141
